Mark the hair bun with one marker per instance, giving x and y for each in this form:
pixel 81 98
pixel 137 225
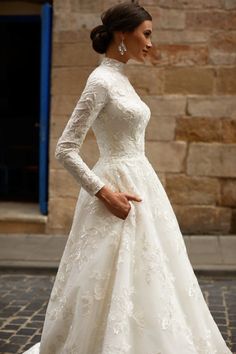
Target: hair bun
pixel 101 38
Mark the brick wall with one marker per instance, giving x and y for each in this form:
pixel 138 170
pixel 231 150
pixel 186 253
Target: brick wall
pixel 190 90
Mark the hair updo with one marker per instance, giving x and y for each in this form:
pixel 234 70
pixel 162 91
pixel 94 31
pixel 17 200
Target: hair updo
pixel 124 17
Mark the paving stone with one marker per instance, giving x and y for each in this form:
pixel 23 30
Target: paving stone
pixel 19 331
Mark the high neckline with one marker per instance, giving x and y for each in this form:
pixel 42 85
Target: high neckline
pixel 114 63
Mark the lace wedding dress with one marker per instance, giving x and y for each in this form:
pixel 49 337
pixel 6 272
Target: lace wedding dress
pixel 123 286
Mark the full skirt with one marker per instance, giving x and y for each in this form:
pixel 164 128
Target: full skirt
pixel 127 286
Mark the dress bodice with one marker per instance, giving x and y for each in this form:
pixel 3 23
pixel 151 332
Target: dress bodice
pixel 110 105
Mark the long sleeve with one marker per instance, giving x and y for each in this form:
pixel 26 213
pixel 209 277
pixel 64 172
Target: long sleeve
pixel 92 100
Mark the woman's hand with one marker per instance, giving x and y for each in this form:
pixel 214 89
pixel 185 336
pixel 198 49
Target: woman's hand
pixel 117 202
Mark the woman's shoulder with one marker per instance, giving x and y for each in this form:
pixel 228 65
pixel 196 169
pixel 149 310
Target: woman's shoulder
pixel 99 76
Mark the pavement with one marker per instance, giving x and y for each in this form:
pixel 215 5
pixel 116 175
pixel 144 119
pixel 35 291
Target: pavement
pixel 24 295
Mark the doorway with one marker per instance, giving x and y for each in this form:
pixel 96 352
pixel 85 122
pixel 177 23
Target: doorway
pixel 19 108
pixel 24 107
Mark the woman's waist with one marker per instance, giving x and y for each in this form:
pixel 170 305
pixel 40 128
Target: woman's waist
pixel 121 157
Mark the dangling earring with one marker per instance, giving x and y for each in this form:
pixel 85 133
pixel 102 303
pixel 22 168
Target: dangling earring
pixel 122 48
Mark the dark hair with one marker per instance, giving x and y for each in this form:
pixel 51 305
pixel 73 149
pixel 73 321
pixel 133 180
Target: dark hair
pixel 125 16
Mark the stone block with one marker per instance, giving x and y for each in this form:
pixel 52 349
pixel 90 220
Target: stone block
pixel 69 81
pixel 62 6
pixel 220 20
pixel 86 6
pixel 167 18
pixel 218 58
pixel 183 54
pixel 64 21
pixel 190 4
pixel 74 54
pixel 228 191
pixel 63 105
pixel 228 248
pixel 222 48
pixel 161 128
pixel 61 212
pixel 190 190
pixel 166 157
pixel 212 106
pixel 229 131
pixel 226 81
pixel 223 41
pixel 205 249
pixel 198 129
pixel 211 159
pixel 53 162
pixel 199 219
pixel 62 184
pixel 168 105
pixel 57 125
pixel 80 35
pixel 179 37
pixel 230 4
pixel 191 80
pixel 147 80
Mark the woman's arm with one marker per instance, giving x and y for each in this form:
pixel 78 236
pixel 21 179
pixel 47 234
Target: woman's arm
pixel 92 100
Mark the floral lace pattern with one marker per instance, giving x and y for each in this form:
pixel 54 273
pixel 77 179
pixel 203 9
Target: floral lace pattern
pixel 123 286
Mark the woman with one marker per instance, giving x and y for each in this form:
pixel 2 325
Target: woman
pixel 125 283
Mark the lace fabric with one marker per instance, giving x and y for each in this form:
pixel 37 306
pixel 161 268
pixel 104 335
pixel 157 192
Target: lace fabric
pixel 123 286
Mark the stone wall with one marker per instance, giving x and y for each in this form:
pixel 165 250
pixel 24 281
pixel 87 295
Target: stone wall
pixel 190 89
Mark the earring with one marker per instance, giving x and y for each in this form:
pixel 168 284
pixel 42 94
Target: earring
pixel 122 48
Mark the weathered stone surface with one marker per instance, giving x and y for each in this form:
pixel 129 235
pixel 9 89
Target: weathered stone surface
pixel 222 48
pixel 183 54
pixel 74 54
pixel 218 58
pixel 166 18
pixel 57 125
pixel 69 81
pixel 211 20
pixel 189 190
pixel 63 105
pixel 228 248
pixel 61 212
pixel 54 164
pixel 205 249
pixel 230 4
pixel 189 4
pixel 76 21
pixel 212 106
pixel 195 219
pixel 229 130
pixel 198 129
pixel 166 156
pixel 179 37
pixel 226 80
pixel 68 36
pixel 62 184
pixel 161 128
pixel 228 197
pixel 168 105
pixel 189 80
pixel 149 81
pixel 205 159
pixel 223 41
pixel 86 6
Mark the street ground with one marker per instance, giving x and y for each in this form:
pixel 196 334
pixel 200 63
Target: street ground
pixel 24 296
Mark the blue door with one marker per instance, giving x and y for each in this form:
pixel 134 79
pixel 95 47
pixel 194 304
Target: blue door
pixel 45 71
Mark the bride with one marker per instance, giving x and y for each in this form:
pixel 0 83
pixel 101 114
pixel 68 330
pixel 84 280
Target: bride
pixel 125 284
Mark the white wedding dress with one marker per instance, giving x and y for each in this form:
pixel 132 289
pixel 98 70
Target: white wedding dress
pixel 123 286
